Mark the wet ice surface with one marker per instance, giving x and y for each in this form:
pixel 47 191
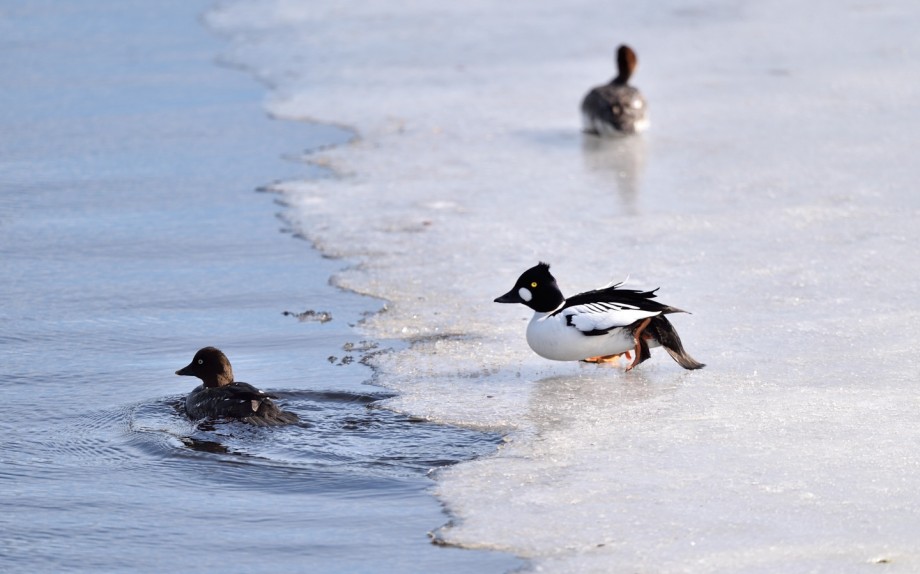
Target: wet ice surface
pixel 774 197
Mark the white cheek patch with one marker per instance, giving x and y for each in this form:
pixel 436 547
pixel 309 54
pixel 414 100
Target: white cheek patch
pixel 525 294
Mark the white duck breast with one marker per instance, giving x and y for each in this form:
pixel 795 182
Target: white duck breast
pixel 552 337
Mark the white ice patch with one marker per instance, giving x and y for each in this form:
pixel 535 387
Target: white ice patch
pixel 795 449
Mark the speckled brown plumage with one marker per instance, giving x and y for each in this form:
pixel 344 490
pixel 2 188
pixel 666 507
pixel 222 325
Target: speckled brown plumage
pixel 616 108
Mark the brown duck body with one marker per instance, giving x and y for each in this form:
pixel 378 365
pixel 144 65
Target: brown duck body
pixel 616 108
pixel 219 396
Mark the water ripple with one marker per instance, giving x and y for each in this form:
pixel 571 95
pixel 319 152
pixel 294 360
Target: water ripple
pixel 343 442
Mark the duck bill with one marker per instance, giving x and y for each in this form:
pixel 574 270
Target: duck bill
pixel 510 297
pixel 186 371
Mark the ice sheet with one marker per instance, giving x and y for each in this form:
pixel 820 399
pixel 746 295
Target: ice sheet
pixel 774 197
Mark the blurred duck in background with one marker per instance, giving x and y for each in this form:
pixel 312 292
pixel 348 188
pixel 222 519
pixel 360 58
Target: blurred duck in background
pixel 616 108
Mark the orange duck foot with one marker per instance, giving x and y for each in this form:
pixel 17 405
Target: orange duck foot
pixel 607 358
pixel 641 345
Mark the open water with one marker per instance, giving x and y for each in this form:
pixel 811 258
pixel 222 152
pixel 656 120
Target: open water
pixel 132 234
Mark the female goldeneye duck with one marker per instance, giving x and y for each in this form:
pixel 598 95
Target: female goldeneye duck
pixel 219 396
pixel 595 326
pixel 616 108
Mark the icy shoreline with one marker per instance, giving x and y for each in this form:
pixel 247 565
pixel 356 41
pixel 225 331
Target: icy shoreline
pixel 757 202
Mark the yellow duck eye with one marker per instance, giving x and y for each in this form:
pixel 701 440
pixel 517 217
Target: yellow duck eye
pixel 534 284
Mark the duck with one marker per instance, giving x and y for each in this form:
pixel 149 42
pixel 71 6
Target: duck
pixel 219 396
pixel 596 326
pixel 616 108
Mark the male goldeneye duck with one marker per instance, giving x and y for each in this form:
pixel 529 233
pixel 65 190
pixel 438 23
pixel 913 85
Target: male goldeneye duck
pixel 219 396
pixel 595 326
pixel 616 108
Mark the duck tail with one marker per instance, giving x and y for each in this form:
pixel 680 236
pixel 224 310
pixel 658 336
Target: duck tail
pixel 664 333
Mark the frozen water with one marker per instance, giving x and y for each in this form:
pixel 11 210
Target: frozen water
pixel 774 197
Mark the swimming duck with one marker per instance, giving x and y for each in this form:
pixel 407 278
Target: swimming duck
pixel 219 396
pixel 616 108
pixel 595 326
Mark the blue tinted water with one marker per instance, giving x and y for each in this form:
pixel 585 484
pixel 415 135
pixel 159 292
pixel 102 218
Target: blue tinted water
pixel 130 236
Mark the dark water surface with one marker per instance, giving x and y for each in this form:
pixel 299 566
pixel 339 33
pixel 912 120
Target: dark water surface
pixel 130 236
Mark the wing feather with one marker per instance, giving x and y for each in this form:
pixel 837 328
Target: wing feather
pixel 590 319
pixel 597 312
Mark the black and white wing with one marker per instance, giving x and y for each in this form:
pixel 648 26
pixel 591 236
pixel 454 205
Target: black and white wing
pixel 600 318
pixel 599 311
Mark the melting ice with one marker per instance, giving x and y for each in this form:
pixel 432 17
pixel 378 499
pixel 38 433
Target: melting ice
pixel 774 197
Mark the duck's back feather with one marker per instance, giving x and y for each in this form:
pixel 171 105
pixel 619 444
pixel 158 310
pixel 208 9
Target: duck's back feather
pixel 614 108
pixel 238 401
pixel 598 311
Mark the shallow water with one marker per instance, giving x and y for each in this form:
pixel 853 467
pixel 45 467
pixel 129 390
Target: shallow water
pixel 131 235
pixel 774 197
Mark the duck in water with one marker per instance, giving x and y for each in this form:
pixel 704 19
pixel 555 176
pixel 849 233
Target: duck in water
pixel 219 396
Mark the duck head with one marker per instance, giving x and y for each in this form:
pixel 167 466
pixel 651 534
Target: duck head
pixel 626 64
pixel 535 288
pixel 211 366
